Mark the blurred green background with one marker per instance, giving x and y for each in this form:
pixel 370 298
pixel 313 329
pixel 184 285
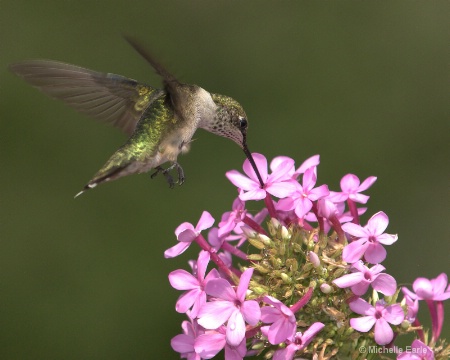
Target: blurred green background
pixel 363 84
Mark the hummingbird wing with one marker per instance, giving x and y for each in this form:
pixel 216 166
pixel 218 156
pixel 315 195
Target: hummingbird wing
pixel 140 152
pixel 172 86
pixel 110 98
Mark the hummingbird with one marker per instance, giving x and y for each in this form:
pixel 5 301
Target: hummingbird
pixel 159 123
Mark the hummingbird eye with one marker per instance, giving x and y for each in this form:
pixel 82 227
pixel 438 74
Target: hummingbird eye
pixel 242 123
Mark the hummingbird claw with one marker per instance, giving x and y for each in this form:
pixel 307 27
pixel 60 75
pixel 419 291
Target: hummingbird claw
pixel 180 171
pixel 166 173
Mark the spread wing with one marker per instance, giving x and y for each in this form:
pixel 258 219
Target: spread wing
pixel 110 98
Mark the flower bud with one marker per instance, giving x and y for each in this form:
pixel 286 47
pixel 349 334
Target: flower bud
pixel 286 278
pixel 325 288
pixel 314 259
pixel 265 239
pixel 285 235
pixel 249 232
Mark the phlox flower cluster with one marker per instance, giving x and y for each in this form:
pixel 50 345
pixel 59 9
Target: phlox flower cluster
pixel 301 278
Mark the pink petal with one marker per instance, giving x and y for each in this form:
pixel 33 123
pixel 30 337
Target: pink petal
pixel 209 345
pixel 383 332
pixel 215 313
pixel 378 223
pixel 176 250
pixel 319 192
pixel 236 352
pixel 281 330
pixel 182 227
pixel 361 307
pixel 251 312
pixel 361 288
pixel 278 160
pixel 281 189
pixel 187 236
pixel 270 314
pixel 235 328
pixel 241 181
pixel 186 300
pixel 349 183
pixel 439 283
pixel 310 162
pixel 213 274
pixel 261 164
pixel 375 253
pixel 423 288
pixel 182 280
pixel 349 280
pixel 367 183
pixel 202 264
pixel 285 354
pixel 355 230
pixel 205 222
pixel 362 324
pixel 199 301
pixel 220 288
pixel 354 251
pixel 255 194
pixel 309 334
pixel 394 314
pixel 309 179
pixel 385 284
pixel 387 239
pixel 337 197
pixel 359 198
pixel 303 207
pixel 376 269
pixel 286 204
pixel 182 343
pixel 282 170
pixel 243 284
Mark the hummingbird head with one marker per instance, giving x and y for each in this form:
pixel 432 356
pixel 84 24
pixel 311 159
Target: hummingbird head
pixel 229 121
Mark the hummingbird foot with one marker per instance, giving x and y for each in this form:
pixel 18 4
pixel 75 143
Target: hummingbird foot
pixel 166 173
pixel 180 171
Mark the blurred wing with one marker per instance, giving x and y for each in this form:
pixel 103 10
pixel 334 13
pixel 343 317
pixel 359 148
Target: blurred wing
pixel 110 98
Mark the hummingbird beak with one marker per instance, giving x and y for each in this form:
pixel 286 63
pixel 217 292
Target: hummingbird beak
pixel 250 158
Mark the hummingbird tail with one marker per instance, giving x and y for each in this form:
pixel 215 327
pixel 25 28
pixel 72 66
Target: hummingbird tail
pixel 87 187
pixel 112 174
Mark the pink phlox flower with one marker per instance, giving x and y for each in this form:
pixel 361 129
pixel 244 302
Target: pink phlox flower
pixel 351 188
pixel 211 342
pixel 298 342
pixel 238 233
pixel 370 238
pixel 435 289
pixel 232 218
pixel 327 209
pixel 186 234
pixel 362 277
pixel 412 307
pixel 301 200
pixel 229 305
pixel 230 228
pixel 379 315
pixel 214 240
pixel 312 161
pixel 184 343
pixel 282 319
pixel 195 295
pixel 417 351
pixel 279 183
